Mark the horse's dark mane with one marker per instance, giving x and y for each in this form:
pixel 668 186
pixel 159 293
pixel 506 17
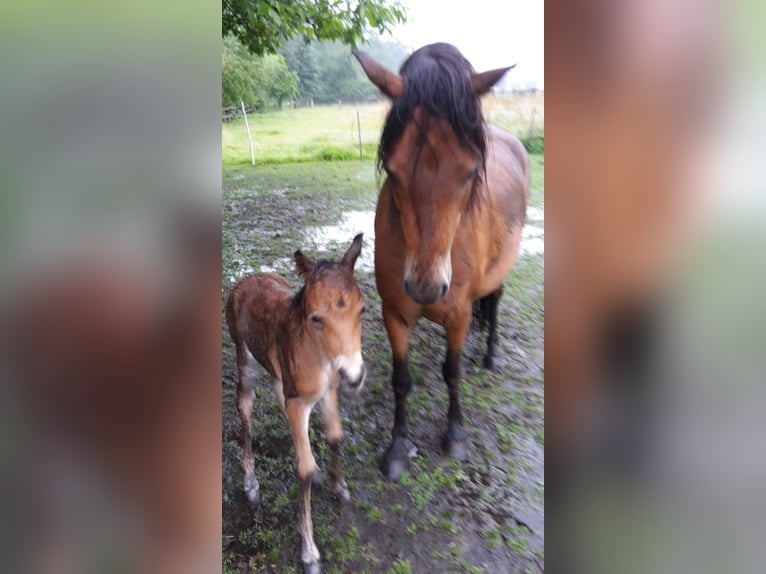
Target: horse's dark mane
pixel 436 79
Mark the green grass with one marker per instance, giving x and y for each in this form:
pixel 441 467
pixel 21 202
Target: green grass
pixel 330 133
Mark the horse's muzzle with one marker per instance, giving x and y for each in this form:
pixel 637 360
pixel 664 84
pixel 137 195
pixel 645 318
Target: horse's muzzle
pixel 425 294
pixel 349 385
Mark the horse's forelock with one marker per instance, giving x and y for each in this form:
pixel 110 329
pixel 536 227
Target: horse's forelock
pixel 436 80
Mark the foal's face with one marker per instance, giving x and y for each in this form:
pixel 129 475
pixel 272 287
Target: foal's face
pixel 334 307
pixel 431 184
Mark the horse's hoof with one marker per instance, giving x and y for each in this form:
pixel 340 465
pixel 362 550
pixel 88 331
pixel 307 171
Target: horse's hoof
pixel 397 458
pixel 489 362
pixel 454 448
pixel 393 468
pixel 316 478
pixel 312 568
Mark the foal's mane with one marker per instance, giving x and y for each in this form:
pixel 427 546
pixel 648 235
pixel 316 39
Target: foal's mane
pixel 436 79
pixel 296 303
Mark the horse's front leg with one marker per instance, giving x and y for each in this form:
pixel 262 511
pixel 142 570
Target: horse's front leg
pixel 454 439
pixel 396 457
pixel 334 436
pixel 298 411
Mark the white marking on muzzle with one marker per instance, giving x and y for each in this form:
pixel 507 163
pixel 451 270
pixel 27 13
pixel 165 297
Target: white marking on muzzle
pixel 442 269
pixel 352 365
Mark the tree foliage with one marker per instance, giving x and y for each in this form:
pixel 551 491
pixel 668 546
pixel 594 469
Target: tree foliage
pixel 257 81
pixel 264 25
pixel 327 72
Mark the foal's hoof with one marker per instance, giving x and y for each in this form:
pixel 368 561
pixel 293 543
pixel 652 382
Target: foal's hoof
pixel 251 490
pixel 312 568
pixel 341 491
pixel 489 362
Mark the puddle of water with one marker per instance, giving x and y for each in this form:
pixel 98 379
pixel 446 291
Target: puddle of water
pixel 532 240
pixel 535 214
pixel 353 222
pixel 323 239
pixel 281 266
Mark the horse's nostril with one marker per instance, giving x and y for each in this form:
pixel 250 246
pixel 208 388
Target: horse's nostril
pixel 407 287
pixel 445 288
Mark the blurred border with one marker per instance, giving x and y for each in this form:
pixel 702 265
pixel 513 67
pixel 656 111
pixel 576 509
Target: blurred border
pixel 110 293
pixel 654 319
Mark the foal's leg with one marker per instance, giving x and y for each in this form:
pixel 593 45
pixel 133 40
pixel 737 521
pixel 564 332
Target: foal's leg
pixel 489 306
pixel 246 367
pixel 453 441
pixel 334 434
pixel 396 458
pixel 298 411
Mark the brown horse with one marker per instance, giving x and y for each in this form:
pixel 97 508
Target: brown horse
pixel 449 217
pixel 310 344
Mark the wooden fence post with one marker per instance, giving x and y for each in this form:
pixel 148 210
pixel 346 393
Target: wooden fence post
pixel 249 138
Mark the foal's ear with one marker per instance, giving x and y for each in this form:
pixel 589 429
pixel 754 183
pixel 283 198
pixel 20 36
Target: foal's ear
pixel 349 259
pixel 482 83
pixel 387 82
pixel 303 265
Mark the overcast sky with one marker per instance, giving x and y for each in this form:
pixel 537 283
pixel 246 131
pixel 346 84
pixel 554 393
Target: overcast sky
pixel 490 33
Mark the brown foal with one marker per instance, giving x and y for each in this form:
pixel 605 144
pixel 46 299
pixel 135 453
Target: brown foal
pixel 310 344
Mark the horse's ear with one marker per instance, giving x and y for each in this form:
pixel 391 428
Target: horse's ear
pixel 387 82
pixel 482 83
pixel 349 259
pixel 303 265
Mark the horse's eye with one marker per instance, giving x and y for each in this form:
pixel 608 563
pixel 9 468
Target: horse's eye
pixel 472 176
pixel 316 320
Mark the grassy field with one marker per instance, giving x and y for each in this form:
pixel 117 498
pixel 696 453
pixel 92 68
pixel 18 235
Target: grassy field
pixel 484 515
pixel 327 133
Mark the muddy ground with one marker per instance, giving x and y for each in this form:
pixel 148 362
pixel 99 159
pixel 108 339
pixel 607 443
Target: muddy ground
pixel 484 515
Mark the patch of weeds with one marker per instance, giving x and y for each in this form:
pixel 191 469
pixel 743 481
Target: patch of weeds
pixel 517 544
pixel 346 549
pixel 400 567
pixel 378 486
pixel 447 524
pixel 505 438
pixel 492 537
pixel 397 508
pixel 374 514
pixel 280 501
